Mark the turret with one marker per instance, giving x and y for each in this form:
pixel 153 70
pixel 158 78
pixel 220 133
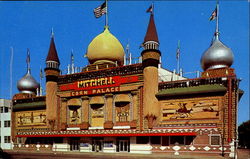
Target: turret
pixel 52 72
pixel 150 60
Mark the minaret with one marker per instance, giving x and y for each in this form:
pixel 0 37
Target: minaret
pixel 52 72
pixel 150 60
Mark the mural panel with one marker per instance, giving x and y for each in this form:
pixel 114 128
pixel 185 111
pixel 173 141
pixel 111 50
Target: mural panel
pixel 190 109
pixel 122 112
pixel 74 115
pixel 97 115
pixel 31 118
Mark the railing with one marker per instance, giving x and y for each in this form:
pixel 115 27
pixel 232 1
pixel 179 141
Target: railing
pixel 192 82
pixel 122 70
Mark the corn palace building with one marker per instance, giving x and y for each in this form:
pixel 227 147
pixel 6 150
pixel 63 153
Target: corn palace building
pixel 112 107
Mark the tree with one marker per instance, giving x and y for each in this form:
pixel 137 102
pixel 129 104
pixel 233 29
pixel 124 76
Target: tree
pixel 244 135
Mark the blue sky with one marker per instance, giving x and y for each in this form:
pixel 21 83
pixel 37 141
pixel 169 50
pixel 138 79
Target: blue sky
pixel 28 24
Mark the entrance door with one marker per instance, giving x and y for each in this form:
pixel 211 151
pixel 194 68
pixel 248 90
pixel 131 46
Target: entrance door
pixel 97 145
pixel 123 146
pixel 74 145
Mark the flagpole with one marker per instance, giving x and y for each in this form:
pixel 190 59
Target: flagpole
pixel 41 76
pixel 217 20
pixel 28 60
pixel 106 15
pixel 178 58
pixel 153 8
pixel 11 70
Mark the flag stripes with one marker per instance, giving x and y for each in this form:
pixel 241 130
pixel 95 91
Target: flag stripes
pixel 214 14
pixel 99 11
pixel 150 9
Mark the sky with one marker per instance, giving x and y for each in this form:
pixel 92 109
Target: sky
pixel 28 24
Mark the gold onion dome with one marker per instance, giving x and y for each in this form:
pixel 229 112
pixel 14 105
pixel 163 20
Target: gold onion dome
pixel 105 48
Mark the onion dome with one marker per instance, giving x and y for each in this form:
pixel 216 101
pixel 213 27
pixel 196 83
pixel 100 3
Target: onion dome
pixel 105 48
pixel 217 56
pixel 27 84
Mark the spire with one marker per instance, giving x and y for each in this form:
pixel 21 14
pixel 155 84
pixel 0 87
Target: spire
pixel 28 61
pixel 52 53
pixel 52 32
pixel 151 38
pixel 151 34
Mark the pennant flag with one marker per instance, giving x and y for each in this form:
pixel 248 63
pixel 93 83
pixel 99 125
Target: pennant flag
pixel 150 9
pixel 28 56
pixel 99 11
pixel 72 56
pixel 178 51
pixel 214 14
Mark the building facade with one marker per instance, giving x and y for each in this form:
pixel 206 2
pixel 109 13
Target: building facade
pixel 112 107
pixel 5 124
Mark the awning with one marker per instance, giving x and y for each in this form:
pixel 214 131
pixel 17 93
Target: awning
pixel 122 98
pixel 96 100
pixel 191 90
pixel 114 134
pixel 74 102
pixel 28 106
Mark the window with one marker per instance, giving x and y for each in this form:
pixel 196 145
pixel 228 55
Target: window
pixel 142 140
pixel 189 140
pixel 155 139
pixel 108 144
pixel 165 140
pixel 177 140
pixel 6 139
pixel 1 109
pixel 215 140
pixel 19 140
pixel 7 123
pixel 6 109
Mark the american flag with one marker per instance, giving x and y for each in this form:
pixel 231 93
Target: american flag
pixel 150 9
pixel 213 15
pixel 99 11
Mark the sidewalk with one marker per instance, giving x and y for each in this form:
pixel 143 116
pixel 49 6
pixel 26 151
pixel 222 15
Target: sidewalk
pixel 99 155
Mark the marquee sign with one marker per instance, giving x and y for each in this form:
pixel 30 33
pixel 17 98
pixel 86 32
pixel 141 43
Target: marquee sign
pixel 98 85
